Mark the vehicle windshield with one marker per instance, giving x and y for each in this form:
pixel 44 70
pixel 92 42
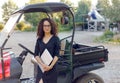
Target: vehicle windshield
pixel 9 27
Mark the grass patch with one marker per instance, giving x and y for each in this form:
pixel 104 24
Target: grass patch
pixel 106 37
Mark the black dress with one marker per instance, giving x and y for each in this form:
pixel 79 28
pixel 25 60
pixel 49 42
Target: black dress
pixel 53 46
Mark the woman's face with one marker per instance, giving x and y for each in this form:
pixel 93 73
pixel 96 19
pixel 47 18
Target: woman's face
pixel 46 27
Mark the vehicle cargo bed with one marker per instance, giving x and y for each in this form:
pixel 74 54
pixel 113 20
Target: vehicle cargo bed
pixel 86 54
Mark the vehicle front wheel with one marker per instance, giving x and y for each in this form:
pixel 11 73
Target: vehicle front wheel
pixel 90 78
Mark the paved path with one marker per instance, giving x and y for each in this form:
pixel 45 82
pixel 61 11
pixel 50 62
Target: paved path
pixel 110 73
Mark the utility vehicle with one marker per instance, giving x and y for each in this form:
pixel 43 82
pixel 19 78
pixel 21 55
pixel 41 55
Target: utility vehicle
pixel 76 61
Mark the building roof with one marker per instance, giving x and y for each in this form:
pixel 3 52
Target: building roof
pixel 95 16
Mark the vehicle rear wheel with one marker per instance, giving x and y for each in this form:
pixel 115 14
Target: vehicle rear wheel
pixel 90 78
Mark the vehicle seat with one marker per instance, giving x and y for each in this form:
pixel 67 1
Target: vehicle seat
pixel 65 47
pixel 62 47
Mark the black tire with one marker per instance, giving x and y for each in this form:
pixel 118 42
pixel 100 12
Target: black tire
pixel 90 78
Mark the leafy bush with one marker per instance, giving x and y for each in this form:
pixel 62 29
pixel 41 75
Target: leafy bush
pixel 116 38
pixel 109 37
pixel 1 26
pixel 65 28
pixel 106 37
pixel 108 34
pixel 27 27
pixel 23 26
pixel 79 23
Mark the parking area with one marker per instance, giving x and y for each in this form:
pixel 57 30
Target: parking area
pixel 110 73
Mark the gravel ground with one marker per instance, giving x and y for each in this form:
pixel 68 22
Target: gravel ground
pixel 110 73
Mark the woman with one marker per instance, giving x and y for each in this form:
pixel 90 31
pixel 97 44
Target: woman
pixel 47 39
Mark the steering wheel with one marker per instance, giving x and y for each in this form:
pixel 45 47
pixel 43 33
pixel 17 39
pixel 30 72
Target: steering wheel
pixel 26 49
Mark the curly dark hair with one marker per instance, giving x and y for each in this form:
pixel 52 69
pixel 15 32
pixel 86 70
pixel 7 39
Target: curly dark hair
pixel 40 32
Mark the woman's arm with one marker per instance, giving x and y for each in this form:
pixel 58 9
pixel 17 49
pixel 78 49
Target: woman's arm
pixel 44 66
pixel 39 60
pixel 37 51
pixel 56 52
pixel 55 59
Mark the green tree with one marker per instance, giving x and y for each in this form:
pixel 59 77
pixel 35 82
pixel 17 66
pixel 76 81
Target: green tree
pixel 68 2
pixel 82 10
pixel 37 16
pixel 8 9
pixel 36 1
pixel 110 11
pixel 115 14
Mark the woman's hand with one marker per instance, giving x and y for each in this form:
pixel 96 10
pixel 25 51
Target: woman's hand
pixel 46 67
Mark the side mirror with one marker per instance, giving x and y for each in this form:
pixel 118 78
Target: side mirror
pixel 64 20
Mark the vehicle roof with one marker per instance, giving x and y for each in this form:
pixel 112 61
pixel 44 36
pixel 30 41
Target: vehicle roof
pixel 44 7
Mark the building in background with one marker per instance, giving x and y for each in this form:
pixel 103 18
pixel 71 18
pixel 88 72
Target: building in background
pixel 95 20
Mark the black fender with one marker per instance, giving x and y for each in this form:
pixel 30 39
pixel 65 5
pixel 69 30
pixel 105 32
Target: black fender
pixel 79 71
